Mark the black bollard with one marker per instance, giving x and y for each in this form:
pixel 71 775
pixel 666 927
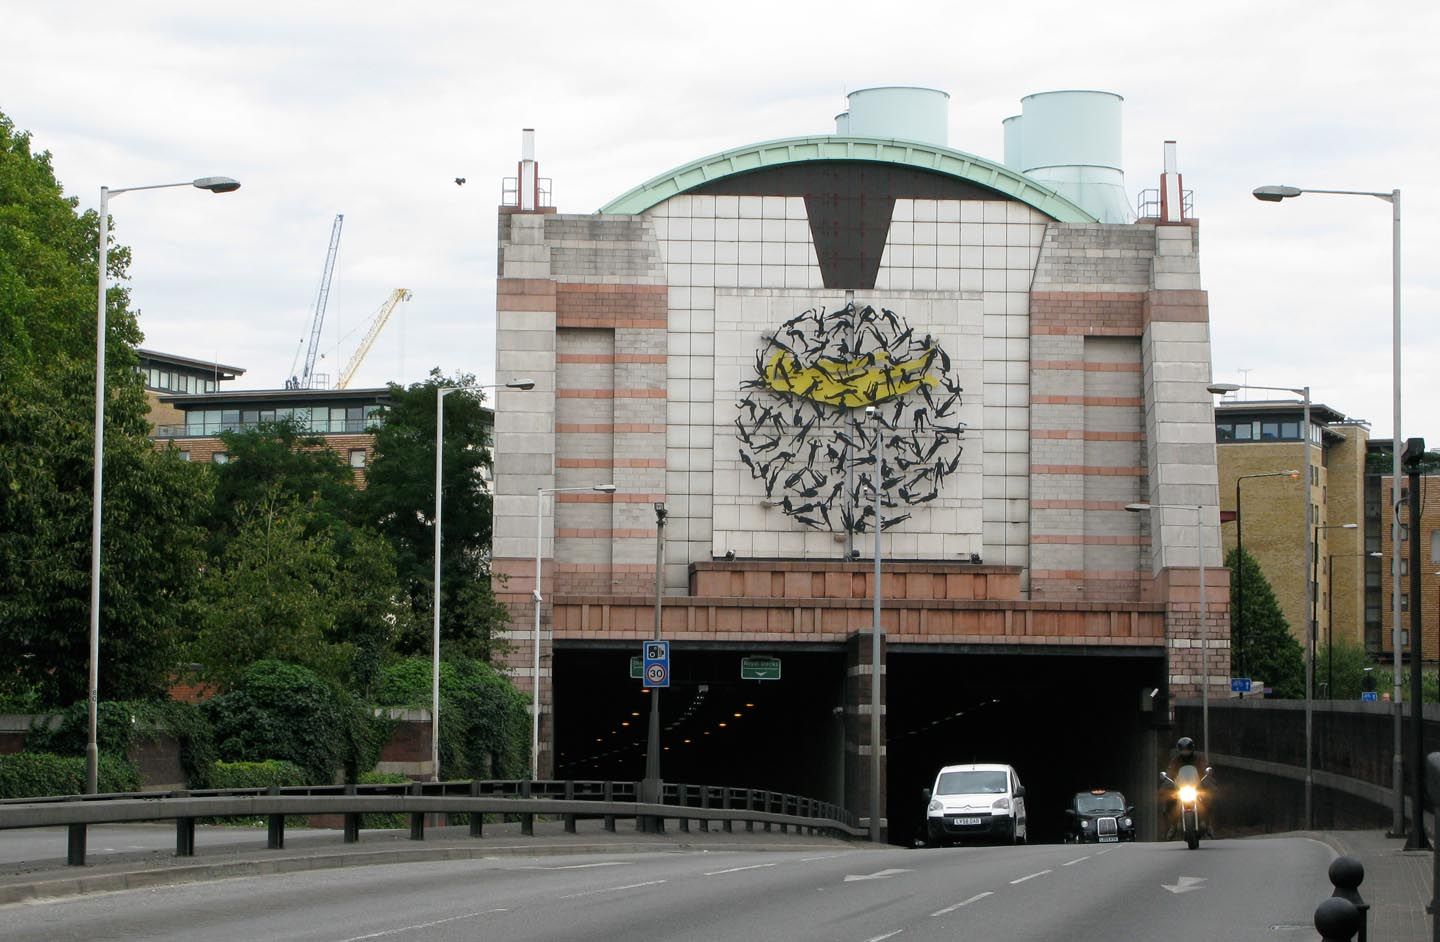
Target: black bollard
pixel 1346 875
pixel 1337 919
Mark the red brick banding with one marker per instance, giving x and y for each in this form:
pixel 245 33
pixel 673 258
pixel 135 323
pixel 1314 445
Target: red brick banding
pixel 612 306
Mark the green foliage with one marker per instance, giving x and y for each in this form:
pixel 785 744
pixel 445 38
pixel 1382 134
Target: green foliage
pixel 284 711
pixel 37 774
pixel 391 821
pixel 1342 666
pixel 120 725
pixel 271 773
pixel 484 720
pixel 1429 683
pixel 1270 652
pixel 400 498
pixel 152 545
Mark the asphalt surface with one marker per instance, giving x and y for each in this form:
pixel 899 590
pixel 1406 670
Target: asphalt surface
pixel 32 866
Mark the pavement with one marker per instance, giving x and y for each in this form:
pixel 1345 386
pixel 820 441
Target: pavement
pixel 1398 884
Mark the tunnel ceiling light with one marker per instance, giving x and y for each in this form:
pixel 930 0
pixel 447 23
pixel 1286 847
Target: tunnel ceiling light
pixel 721 725
pixel 739 714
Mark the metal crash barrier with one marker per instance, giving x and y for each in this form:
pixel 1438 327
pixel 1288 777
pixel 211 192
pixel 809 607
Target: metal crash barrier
pixel 567 800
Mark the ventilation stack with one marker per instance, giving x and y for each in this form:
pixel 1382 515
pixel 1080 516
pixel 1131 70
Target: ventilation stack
pixel 1070 142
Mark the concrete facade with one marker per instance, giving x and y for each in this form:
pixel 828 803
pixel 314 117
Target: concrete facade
pixel 1079 353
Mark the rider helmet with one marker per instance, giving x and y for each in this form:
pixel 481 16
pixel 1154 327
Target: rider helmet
pixel 1185 746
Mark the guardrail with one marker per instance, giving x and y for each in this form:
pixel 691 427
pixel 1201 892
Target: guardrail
pixel 569 800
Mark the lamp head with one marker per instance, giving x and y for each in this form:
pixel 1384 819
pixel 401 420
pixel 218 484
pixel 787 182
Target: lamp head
pixel 521 384
pixel 604 488
pixel 217 184
pixel 1221 389
pixel 1137 508
pixel 1274 194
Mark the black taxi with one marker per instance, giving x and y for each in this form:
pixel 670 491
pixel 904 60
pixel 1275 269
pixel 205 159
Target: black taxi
pixel 1099 816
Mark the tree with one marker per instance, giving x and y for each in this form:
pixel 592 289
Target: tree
pixel 151 541
pixel 400 502
pixel 1270 652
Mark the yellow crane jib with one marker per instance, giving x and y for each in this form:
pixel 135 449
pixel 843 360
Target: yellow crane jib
pixel 378 324
pixel 862 381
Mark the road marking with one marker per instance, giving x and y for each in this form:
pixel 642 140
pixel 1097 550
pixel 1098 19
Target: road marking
pixel 1075 861
pixel 1185 884
pixel 423 925
pixel 1030 877
pixel 963 902
pixel 612 889
pixel 822 857
pixel 716 873
pixel 880 938
pixel 879 875
pixel 584 866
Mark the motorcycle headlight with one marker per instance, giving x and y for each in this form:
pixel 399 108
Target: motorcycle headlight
pixel 935 807
pixel 1001 804
pixel 1188 793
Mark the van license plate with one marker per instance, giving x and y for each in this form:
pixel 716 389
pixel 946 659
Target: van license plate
pixel 1109 840
pixel 963 822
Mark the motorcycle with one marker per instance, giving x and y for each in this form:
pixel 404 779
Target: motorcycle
pixel 1188 784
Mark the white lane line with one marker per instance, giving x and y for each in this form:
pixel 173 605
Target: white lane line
pixel 423 925
pixel 880 938
pixel 822 857
pixel 612 889
pixel 1075 861
pixel 1030 877
pixel 963 902
pixel 716 873
pixel 584 866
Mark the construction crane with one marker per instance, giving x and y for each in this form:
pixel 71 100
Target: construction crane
pixel 376 325
pixel 306 379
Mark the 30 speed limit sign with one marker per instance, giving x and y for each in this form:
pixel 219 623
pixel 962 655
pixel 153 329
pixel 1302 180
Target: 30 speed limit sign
pixel 656 664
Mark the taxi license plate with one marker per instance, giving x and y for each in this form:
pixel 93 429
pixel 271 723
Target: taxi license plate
pixel 963 822
pixel 1110 840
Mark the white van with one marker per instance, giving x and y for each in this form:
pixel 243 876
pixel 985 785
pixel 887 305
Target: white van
pixel 975 801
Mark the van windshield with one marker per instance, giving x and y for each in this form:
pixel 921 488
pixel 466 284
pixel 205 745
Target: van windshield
pixel 972 783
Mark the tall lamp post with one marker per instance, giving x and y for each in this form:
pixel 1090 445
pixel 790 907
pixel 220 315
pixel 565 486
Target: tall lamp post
pixel 540 493
pixel 214 185
pixel 1330 617
pixel 1274 194
pixel 1304 393
pixel 1239 555
pixel 1199 510
pixel 440 393
pixel 877 479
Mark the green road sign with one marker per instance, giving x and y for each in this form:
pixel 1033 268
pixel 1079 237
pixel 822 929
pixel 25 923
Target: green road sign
pixel 635 673
pixel 759 668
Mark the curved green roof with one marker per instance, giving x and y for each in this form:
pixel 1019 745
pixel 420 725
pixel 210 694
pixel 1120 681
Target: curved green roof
pixel 795 150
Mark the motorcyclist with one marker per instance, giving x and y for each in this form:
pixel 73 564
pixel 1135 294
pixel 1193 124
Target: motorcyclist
pixel 1186 754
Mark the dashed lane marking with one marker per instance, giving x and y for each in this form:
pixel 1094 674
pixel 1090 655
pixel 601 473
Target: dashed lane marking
pixel 1029 877
pixel 423 925
pixel 1075 861
pixel 716 873
pixel 963 902
pixel 881 938
pixel 612 889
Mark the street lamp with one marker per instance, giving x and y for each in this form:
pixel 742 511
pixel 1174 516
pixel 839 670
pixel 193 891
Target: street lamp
pixel 1204 613
pixel 1274 194
pixel 540 493
pixel 1240 563
pixel 440 394
pixel 214 185
pixel 1310 549
pixel 1330 620
pixel 877 479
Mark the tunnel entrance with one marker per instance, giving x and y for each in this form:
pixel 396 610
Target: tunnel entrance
pixel 716 729
pixel 1068 720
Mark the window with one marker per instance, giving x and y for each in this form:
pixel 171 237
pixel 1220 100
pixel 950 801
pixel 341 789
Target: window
pixel 1435 546
pixel 184 456
pixel 1404 601
pixel 220 457
pixel 1290 430
pixel 357 457
pixel 1404 567
pixel 1269 431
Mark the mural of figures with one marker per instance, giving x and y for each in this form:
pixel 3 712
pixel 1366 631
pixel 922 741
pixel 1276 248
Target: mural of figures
pixel 803 431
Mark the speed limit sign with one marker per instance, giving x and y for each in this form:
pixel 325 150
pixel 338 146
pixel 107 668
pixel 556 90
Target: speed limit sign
pixel 656 664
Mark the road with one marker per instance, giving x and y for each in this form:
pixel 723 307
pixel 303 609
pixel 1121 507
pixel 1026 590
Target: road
pixel 1233 890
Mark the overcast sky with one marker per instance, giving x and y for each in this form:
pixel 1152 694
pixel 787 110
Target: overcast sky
pixel 372 110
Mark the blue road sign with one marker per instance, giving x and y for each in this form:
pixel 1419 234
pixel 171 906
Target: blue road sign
pixel 1239 684
pixel 656 664
pixel 1370 696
